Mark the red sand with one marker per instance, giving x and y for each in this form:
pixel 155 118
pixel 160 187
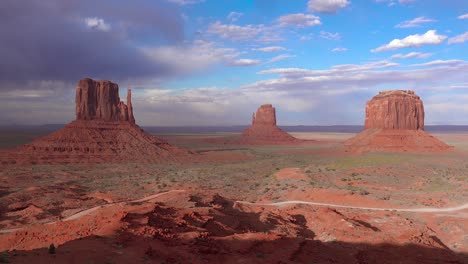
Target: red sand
pixel 207 228
pixel 392 140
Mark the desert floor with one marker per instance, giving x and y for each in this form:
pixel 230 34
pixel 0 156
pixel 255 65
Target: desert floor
pixel 204 216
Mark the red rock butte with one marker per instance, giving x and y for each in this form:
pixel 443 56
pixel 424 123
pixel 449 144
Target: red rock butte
pixel 264 129
pixel 395 123
pixel 104 131
pixel 99 100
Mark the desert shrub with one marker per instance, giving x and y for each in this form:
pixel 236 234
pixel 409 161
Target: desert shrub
pixel 52 249
pixel 4 257
pixel 364 192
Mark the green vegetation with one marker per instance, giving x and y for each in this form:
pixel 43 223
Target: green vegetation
pixel 368 160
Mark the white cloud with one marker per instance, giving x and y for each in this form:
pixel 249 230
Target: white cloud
pixel 459 39
pixel 280 58
pixel 97 23
pixel 430 37
pixel 191 58
pixel 270 49
pixel 364 76
pixel 393 2
pixel 439 63
pixel 327 6
pixel 234 16
pixel 299 20
pixel 339 49
pixel 411 55
pixel 244 62
pixel 269 35
pixel 415 22
pixel 185 2
pixel 329 35
pixel 465 16
pixel 235 32
pixel 340 68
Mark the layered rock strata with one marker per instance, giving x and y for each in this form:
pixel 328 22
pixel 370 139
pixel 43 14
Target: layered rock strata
pixel 395 123
pixel 104 131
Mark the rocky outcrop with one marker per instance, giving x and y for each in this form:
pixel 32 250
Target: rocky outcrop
pixel 104 131
pixel 397 109
pixel 99 100
pixel 264 130
pixel 394 123
pixel 265 116
pixel 131 118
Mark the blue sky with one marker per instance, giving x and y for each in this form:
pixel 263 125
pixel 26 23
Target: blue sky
pixel 214 62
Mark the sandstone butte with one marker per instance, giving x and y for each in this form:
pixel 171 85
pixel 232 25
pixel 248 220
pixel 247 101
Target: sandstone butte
pixel 395 123
pixel 104 131
pixel 264 130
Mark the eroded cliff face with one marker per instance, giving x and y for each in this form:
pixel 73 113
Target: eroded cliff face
pixel 99 100
pixel 395 123
pixel 265 115
pixel 104 131
pixel 398 109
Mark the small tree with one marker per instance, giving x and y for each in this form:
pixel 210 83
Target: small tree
pixel 52 249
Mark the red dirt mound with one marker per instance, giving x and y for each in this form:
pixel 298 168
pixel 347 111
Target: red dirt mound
pixel 104 131
pixel 395 123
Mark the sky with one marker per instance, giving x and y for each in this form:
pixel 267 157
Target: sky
pixel 214 62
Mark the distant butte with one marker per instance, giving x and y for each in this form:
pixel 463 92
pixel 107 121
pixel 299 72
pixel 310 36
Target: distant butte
pixel 104 131
pixel 264 129
pixel 395 123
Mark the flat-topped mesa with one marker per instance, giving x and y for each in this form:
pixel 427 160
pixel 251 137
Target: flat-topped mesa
pixel 395 109
pixel 395 123
pixel 266 115
pixel 99 100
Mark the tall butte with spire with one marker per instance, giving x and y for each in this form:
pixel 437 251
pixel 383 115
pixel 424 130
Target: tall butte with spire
pixel 264 129
pixel 395 123
pixel 99 100
pixel 104 131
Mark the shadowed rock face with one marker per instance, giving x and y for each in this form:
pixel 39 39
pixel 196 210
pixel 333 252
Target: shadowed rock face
pixel 398 109
pixel 395 123
pixel 99 100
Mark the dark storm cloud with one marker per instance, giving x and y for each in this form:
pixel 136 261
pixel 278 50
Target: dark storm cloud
pixel 50 39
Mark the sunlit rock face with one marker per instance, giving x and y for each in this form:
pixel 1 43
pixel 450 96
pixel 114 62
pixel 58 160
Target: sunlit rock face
pixel 396 109
pixel 394 123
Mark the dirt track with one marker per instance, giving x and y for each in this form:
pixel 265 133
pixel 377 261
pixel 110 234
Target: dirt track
pixel 277 204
